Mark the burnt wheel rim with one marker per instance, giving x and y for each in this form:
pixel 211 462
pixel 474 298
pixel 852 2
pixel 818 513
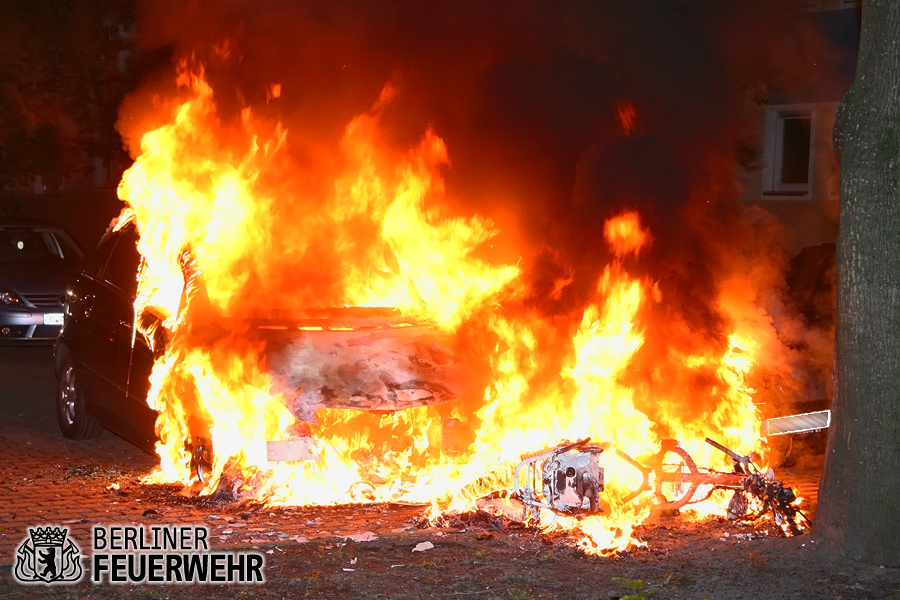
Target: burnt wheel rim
pixel 67 396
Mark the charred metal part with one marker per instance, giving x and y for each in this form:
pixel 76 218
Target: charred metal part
pixel 568 481
pixel 645 472
pixel 674 485
pixel 773 497
pixel 744 461
pixel 737 506
pixel 571 480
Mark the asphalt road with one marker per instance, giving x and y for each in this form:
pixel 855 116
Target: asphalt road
pixel 28 410
pixel 27 389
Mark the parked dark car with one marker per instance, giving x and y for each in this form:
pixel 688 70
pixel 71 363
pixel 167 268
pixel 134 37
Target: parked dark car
pixel 36 259
pixel 354 358
pixel 103 380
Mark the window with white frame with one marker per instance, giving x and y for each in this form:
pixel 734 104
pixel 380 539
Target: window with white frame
pixel 819 5
pixel 788 151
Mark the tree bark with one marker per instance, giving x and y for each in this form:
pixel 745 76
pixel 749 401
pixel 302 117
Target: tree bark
pixel 859 496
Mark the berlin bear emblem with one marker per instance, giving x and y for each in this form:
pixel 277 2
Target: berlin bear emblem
pixel 48 556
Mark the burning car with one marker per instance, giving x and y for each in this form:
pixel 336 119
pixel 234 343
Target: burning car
pixel 169 335
pixel 360 358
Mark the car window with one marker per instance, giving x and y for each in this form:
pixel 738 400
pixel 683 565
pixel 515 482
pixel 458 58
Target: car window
pixel 122 266
pixel 67 249
pixel 95 261
pixel 27 244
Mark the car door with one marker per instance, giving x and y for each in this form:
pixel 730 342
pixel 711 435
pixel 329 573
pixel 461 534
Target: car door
pixel 112 315
pixel 84 332
pixel 143 418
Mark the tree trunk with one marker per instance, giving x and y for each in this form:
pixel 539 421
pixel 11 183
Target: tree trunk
pixel 859 497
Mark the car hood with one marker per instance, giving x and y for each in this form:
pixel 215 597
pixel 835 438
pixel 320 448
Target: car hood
pixel 37 277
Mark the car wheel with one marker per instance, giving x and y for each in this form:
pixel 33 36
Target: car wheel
pixel 71 412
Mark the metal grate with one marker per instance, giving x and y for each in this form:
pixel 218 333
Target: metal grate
pixel 45 300
pixel 46 331
pixel 13 331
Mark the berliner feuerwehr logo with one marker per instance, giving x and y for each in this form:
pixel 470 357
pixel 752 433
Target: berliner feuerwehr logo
pixel 48 556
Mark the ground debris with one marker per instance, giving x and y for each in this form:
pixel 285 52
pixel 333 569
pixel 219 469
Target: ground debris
pixel 474 520
pixel 94 472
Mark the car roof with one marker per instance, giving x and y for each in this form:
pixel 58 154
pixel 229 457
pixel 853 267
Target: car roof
pixel 15 222
pixel 19 223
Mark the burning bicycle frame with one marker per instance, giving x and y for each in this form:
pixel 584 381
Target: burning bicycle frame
pixel 571 480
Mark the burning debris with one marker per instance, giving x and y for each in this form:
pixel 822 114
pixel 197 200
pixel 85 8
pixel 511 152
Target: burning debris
pixel 763 491
pixel 571 480
pixel 567 481
pixel 749 486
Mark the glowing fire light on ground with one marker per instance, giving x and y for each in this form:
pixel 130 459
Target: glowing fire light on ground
pixel 221 236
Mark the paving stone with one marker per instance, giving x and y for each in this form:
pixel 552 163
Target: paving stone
pixel 57 481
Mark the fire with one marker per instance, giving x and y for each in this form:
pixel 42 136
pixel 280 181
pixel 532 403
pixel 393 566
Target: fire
pixel 231 227
pixel 626 113
pixel 418 261
pixel 624 234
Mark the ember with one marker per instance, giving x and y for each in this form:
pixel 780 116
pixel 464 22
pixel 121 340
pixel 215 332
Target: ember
pixel 362 316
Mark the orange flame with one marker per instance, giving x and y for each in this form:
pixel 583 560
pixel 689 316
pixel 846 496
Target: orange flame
pixel 624 234
pixel 219 242
pixel 626 113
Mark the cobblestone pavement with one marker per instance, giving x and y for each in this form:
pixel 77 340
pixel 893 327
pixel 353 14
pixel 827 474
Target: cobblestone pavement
pixel 48 479
pixel 97 482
